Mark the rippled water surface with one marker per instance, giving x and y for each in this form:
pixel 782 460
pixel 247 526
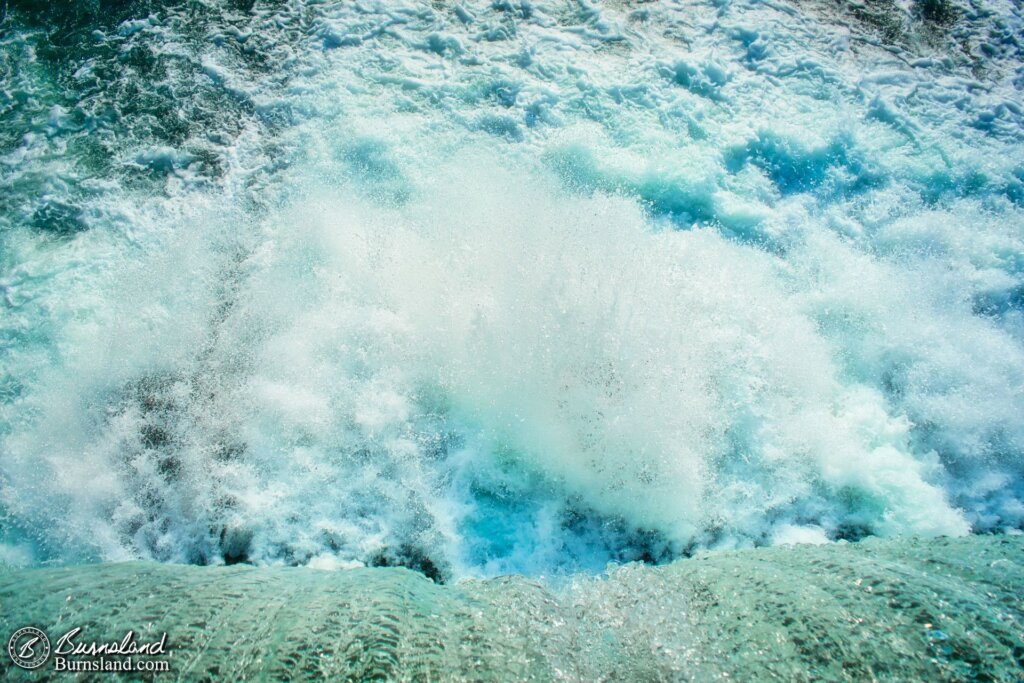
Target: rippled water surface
pixel 884 610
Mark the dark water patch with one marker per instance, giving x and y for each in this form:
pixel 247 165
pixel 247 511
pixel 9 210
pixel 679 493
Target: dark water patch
pixel 884 16
pixel 59 218
pixel 128 77
pixel 920 27
pixel 67 19
pixel 235 544
pixel 937 12
pixel 413 558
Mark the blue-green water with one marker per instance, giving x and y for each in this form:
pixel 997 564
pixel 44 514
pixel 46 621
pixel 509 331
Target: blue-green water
pixel 515 287
pixel 945 609
pixel 509 287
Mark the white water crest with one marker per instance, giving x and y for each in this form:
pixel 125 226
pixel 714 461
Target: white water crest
pixel 516 287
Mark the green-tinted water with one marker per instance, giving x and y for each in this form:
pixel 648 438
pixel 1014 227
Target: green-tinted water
pixel 885 610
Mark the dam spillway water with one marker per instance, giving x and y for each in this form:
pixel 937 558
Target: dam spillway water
pixel 942 609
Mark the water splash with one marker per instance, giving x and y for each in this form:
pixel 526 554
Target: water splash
pixel 498 289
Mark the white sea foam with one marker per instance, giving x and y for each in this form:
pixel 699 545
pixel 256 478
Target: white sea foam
pixel 525 288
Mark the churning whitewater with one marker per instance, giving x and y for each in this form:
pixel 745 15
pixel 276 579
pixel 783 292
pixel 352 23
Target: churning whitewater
pixel 491 287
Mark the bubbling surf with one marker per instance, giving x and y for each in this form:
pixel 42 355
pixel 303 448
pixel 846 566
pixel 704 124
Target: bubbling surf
pixel 536 321
pixel 507 386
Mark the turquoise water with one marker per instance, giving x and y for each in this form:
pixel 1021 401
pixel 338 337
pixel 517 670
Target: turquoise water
pixel 516 339
pixel 506 287
pixel 901 610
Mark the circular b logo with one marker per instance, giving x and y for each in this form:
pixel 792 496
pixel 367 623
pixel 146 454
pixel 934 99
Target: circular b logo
pixel 29 648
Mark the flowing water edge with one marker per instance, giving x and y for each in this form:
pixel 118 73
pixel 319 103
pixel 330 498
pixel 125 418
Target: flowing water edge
pixel 904 610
